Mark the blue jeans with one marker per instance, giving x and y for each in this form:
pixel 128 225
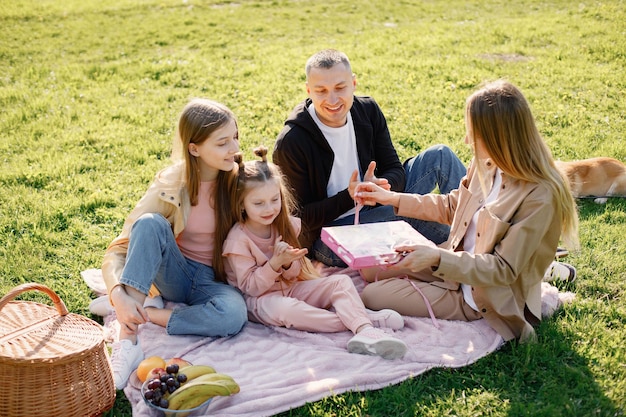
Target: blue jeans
pixel 213 308
pixel 437 166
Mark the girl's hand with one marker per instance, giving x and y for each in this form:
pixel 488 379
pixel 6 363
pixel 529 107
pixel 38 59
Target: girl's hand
pixel 417 258
pixel 285 254
pixel 370 194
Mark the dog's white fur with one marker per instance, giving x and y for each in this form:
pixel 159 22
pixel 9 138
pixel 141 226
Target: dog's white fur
pixel 595 177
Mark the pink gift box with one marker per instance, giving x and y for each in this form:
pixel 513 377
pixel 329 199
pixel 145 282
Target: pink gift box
pixel 371 244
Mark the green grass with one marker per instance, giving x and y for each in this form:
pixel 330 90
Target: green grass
pixel 90 92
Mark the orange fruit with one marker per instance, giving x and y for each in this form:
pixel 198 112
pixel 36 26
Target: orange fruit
pixel 149 364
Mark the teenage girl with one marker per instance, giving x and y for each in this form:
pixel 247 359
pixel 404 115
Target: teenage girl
pixel 506 220
pixel 264 260
pixel 171 243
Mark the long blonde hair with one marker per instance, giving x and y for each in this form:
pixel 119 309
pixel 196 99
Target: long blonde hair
pixel 258 172
pixel 198 120
pixel 499 116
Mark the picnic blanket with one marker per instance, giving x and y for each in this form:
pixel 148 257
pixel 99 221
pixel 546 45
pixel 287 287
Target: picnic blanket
pixel 279 369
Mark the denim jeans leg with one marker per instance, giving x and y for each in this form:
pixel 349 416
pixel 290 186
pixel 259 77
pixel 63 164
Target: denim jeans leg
pixel 438 167
pixel 151 239
pixel 213 308
pixel 325 255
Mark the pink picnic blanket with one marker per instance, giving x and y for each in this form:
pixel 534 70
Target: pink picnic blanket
pixel 279 369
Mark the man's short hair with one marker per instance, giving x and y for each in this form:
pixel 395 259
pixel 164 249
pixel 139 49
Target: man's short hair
pixel 327 59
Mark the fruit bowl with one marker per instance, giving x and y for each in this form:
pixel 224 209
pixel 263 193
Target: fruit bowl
pixel 199 410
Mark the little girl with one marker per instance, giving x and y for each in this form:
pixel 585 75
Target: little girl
pixel 263 259
pixel 172 241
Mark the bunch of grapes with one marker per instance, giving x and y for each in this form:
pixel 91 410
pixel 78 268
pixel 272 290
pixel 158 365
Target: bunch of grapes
pixel 158 389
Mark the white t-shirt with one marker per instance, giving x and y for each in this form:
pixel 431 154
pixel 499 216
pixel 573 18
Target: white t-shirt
pixel 469 243
pixel 342 140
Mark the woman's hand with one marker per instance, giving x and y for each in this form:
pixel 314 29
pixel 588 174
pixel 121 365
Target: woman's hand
pixel 417 258
pixel 285 254
pixel 370 194
pixel 128 310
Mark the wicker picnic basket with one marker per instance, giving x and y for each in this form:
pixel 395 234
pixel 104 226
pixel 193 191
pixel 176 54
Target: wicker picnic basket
pixel 53 363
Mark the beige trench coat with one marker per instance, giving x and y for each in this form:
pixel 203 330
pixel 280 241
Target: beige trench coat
pixel 517 236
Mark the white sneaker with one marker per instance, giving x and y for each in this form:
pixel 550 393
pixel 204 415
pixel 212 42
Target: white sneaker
pixel 561 253
pixel 560 271
pixel 386 318
pixel 373 341
pixel 156 302
pixel 125 358
pixel 101 306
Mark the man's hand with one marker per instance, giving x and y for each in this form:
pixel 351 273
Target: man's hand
pixel 371 177
pixel 354 181
pixel 368 177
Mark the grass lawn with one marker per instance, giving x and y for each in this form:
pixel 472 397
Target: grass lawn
pixel 90 93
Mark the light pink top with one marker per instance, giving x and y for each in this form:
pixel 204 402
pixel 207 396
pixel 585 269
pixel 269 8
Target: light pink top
pixel 196 241
pixel 246 261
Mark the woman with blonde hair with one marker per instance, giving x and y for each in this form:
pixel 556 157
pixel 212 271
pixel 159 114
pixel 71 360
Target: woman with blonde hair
pixel 171 243
pixel 506 218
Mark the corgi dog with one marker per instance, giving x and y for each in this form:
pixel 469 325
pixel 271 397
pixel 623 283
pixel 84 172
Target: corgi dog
pixel 595 177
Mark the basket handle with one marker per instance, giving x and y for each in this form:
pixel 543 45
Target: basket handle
pixel 58 303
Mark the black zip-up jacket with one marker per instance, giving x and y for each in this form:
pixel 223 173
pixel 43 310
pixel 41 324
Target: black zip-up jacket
pixel 306 160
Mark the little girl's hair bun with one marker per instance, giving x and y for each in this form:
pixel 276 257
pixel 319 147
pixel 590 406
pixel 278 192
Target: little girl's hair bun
pixel 261 152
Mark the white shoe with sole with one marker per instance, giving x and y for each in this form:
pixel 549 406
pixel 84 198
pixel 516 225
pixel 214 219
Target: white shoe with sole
pixel 387 318
pixel 372 341
pixel 560 272
pixel 101 306
pixel 125 358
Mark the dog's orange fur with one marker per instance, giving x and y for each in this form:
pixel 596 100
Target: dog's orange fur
pixel 595 177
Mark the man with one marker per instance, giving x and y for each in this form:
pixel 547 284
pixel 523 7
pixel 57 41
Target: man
pixel 335 139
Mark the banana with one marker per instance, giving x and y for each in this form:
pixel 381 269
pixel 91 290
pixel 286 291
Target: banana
pixel 233 387
pixel 194 371
pixel 223 387
pixel 210 377
pixel 202 383
pixel 190 396
pixel 219 379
